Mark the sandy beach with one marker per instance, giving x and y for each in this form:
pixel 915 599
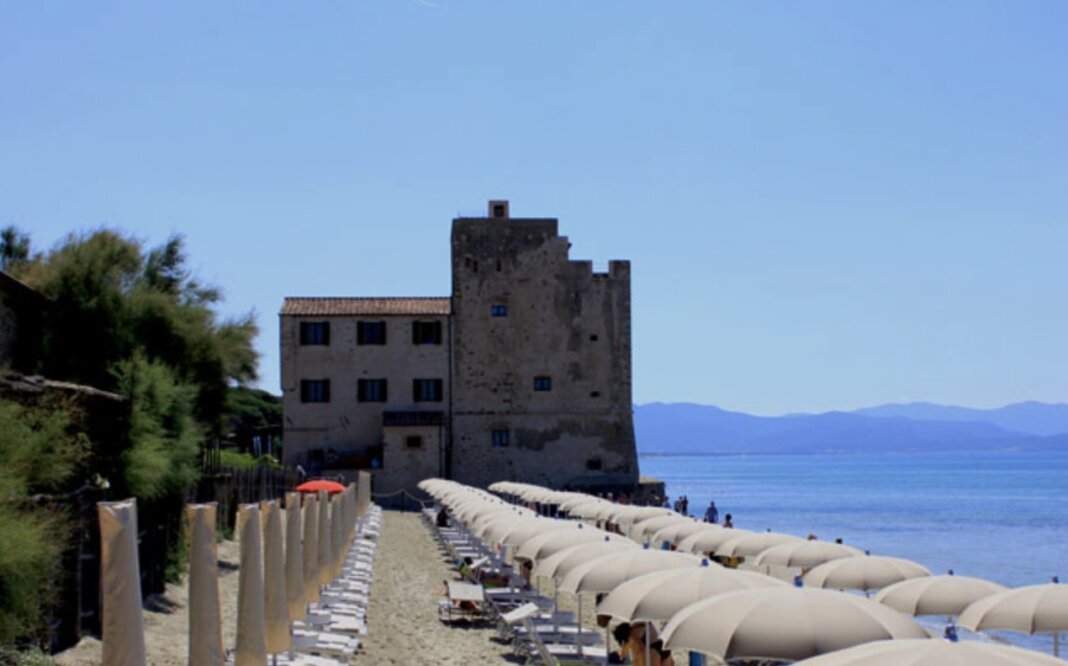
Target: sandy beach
pixel 409 575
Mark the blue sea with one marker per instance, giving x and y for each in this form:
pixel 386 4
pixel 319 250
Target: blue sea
pixel 1003 517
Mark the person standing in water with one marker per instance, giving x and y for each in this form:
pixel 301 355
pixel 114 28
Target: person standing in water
pixel 712 513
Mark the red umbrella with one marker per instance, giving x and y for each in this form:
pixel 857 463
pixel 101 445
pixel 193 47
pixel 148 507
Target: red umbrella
pixel 320 484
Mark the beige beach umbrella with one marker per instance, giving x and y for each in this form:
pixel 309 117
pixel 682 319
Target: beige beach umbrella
pixel 205 615
pixel 251 648
pixel 310 549
pixel 642 531
pixel 605 573
pixel 557 565
pixel 927 652
pixel 804 554
pixel 120 584
pixel 521 532
pixel 783 623
pixel 587 510
pixel 1033 609
pixel 754 543
pixel 708 540
pixel 274 580
pixel 627 516
pixel 294 559
pixel 326 549
pixel 676 532
pixel 659 595
pixel 579 499
pixel 936 595
pixel 870 572
pixel 541 546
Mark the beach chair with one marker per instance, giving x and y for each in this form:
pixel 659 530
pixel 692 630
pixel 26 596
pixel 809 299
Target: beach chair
pixel 462 601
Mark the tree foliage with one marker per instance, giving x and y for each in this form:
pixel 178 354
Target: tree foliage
pixel 112 299
pixel 14 247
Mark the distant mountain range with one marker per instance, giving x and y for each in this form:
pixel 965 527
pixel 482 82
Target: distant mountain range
pixel 686 428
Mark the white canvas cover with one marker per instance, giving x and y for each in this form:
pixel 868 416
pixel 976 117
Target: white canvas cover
pixel 120 585
pixel 274 580
pixel 205 619
pixel 337 535
pixel 363 491
pixel 326 573
pixel 251 647
pixel 311 549
pixel 294 560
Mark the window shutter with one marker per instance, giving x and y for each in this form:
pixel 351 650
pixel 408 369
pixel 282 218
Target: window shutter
pixel 385 390
pixel 361 333
pixel 326 390
pixel 438 393
pixel 415 390
pixel 326 332
pixel 383 325
pixel 415 332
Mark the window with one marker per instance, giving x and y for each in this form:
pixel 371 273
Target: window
pixel 371 390
pixel 315 390
pixel 594 464
pixel 427 390
pixel 498 210
pixel 499 310
pixel 500 438
pixel 593 338
pixel 314 332
pixel 370 332
pixel 426 333
pixel 595 394
pixel 543 383
pixel 413 441
pixel 499 265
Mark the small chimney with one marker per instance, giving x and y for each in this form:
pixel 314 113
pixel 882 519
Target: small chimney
pixel 498 210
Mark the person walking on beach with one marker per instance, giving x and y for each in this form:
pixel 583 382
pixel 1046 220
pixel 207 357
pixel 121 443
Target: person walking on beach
pixel 712 513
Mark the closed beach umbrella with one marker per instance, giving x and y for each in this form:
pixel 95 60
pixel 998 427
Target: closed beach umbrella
pixel 326 550
pixel 676 532
pixel 337 536
pixel 804 554
pixel 251 649
pixel 120 584
pixel 541 546
pixel 936 595
pixel 557 566
pixel 1033 609
pixel 310 549
pixel 707 541
pixel 276 613
pixel 783 623
pixel 605 573
pixel 643 530
pixel 754 543
pixel 294 559
pixel 659 595
pixel 205 614
pixel 921 652
pixel 870 572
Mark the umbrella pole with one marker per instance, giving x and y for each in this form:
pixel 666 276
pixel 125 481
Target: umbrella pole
pixel 579 595
pixel 648 626
pixel 1056 644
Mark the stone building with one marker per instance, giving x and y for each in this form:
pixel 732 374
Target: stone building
pixel 524 373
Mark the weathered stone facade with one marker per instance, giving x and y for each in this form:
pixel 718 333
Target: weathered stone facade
pixel 533 358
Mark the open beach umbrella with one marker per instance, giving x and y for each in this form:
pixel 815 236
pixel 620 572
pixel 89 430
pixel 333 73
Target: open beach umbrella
pixel 754 543
pixel 1033 609
pixel 643 530
pixel 659 595
pixel 707 541
pixel 921 652
pixel 316 485
pixel 804 554
pixel 870 572
pixel 676 532
pixel 936 595
pixel 557 565
pixel 784 623
pixel 541 546
pixel 604 574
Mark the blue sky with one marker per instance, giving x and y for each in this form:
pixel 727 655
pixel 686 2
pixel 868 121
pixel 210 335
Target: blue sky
pixel 827 204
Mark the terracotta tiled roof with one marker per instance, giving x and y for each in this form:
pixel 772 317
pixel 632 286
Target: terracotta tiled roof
pixel 313 307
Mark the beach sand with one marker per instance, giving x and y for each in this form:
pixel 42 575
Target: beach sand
pixel 403 625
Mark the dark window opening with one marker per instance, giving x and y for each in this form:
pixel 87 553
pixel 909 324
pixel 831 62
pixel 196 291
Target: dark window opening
pixel 315 390
pixel 498 310
pixel 370 332
pixel 594 464
pixel 498 265
pixel 500 438
pixel 413 441
pixel 371 390
pixel 314 332
pixel 543 383
pixel 593 338
pixel 595 394
pixel 498 210
pixel 427 390
pixel 426 333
